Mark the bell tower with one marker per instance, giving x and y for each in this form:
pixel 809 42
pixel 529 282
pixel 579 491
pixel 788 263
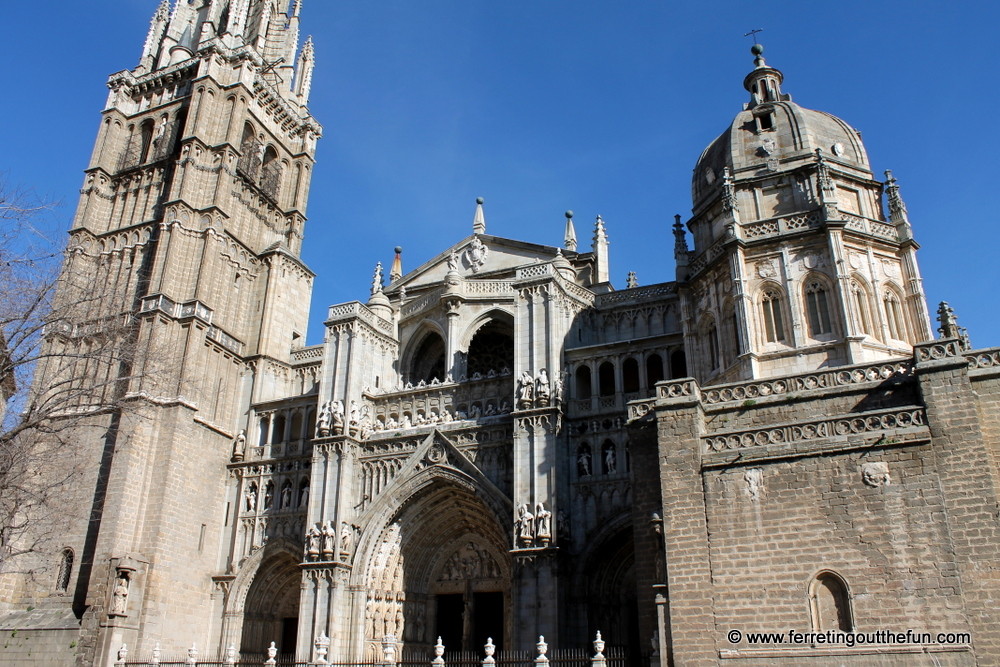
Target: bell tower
pixel 796 265
pixel 191 215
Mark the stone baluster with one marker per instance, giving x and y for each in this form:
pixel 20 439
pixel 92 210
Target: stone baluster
pixel 230 655
pixel 156 655
pixel 192 658
pixel 490 649
pixel 542 660
pixel 322 648
pixel 598 660
pixel 438 660
pixel 271 652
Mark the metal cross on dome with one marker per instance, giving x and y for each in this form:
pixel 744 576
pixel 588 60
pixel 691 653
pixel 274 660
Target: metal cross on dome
pixel 754 34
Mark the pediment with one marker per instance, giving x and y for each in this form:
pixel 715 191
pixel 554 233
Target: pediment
pixel 477 257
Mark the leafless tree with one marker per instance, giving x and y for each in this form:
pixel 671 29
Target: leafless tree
pixel 67 359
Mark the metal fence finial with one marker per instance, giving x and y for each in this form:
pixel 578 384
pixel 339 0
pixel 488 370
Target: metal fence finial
pixel 156 655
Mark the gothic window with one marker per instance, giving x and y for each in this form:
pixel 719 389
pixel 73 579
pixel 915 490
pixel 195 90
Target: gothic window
pixel 678 364
pixel 270 173
pixel 864 318
pixel 630 375
pixel 65 570
pixel 491 349
pixel 428 360
pixel 278 429
pixel 711 342
pixel 583 382
pixel 830 605
pixel 286 500
pixel 310 425
pixel 268 495
pixel 263 431
pixel 147 139
pixel 774 327
pixel 654 370
pixel 606 379
pixel 818 309
pixel 584 461
pixel 894 315
pixel 297 425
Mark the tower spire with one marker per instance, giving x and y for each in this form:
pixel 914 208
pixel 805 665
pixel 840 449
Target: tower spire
pixel 897 209
pixel 600 248
pixel 157 28
pixel 396 272
pixel 570 232
pixel 479 222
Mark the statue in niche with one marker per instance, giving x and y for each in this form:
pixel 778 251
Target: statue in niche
pixel 505 407
pixel 525 525
pixel 583 462
pixel 286 495
pixel 251 497
pixel 346 537
pixel 338 417
pixel 445 416
pixel 543 522
pixel 354 418
pixel 304 496
pixel 119 597
pixel 312 543
pixel 268 495
pixel 420 622
pixel 542 389
pixel 490 410
pixel 525 390
pixel 562 526
pixel 323 421
pixel 240 446
pixel 557 389
pixel 475 412
pixel 406 423
pixel 610 459
pixel 329 540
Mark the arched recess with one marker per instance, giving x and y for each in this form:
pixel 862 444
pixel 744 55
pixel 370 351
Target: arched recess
pixel 263 601
pixel 424 359
pixel 490 344
pixel 608 584
pixel 439 566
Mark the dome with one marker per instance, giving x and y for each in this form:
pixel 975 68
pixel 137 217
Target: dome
pixel 773 134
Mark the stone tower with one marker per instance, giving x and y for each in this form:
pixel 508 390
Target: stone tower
pixel 795 265
pixel 192 212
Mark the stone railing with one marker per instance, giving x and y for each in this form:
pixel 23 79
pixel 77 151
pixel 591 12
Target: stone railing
pixel 939 349
pixel 779 226
pixel 306 353
pixel 357 309
pixel 869 226
pixel 421 304
pixel 535 271
pixel 846 425
pixel 636 294
pixel 836 377
pixel 489 288
pixel 988 358
pixel 701 261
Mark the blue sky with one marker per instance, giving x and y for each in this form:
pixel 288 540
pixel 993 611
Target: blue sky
pixel 543 106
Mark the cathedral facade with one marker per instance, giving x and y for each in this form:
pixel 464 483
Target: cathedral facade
pixel 498 444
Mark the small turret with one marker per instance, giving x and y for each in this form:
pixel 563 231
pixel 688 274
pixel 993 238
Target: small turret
pixel 681 252
pixel 763 83
pixel 897 209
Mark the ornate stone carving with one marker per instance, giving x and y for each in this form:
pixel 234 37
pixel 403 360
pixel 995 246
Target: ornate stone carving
pixel 475 255
pixel 324 420
pixel 240 446
pixel 754 478
pixel 525 390
pixel 524 526
pixel 119 595
pixel 470 563
pixel 766 269
pixel 543 525
pixel 875 474
pixel 542 389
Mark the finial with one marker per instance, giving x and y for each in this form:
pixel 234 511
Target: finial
pixel 600 233
pixel 949 326
pixel 396 272
pixel 479 222
pixel 570 238
pixel 377 279
pixel 631 281
pixel 757 49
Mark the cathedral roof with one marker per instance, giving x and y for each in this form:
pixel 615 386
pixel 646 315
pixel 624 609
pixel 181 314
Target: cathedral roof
pixel 776 132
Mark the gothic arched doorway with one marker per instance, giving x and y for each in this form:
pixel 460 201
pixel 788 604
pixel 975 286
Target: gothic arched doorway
pixel 440 567
pixel 612 603
pixel 271 608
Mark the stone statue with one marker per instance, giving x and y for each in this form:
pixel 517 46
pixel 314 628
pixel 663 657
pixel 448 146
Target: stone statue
pixel 304 496
pixel 505 407
pixel 312 543
pixel 338 417
pixel 583 463
pixel 323 421
pixel 354 417
pixel 525 390
pixel 346 537
pixel 406 423
pixel 543 524
pixel 557 389
pixel 453 261
pixel 286 496
pixel 562 526
pixel 631 282
pixel 251 497
pixel 268 495
pixel 240 446
pixel 610 463
pixel 525 525
pixel 542 389
pixel 475 412
pixel 329 539
pixel 119 598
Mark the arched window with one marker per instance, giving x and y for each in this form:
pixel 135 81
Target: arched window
pixel 263 432
pixel 428 360
pixel 734 334
pixel 654 370
pixel 65 570
pixel 146 130
pixel 278 429
pixel 310 425
pixel 297 426
pixel 712 344
pixel 287 495
pixel 774 325
pixel 584 461
pixel 491 349
pixel 818 308
pixel 830 603
pixel 583 382
pixel 609 458
pixel 268 495
pixel 864 317
pixel 606 379
pixel 270 173
pixel 630 375
pixel 678 365
pixel 894 315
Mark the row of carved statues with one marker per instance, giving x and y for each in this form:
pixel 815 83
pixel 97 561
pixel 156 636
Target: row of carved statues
pixel 323 542
pixel 537 392
pixel 535 530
